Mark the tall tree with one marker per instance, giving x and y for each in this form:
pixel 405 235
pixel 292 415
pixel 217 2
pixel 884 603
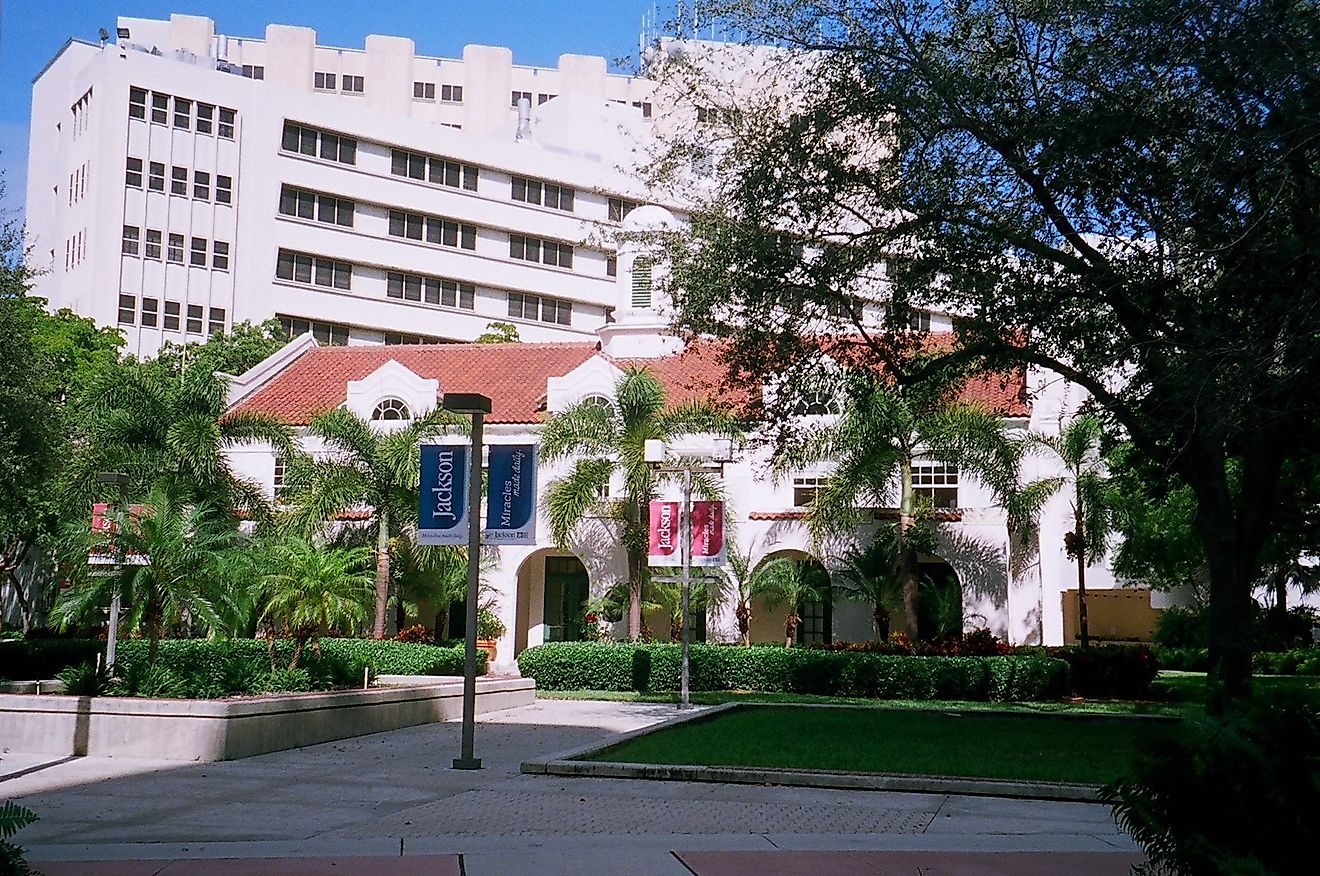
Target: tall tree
pixel 364 469
pixel 885 427
pixel 1125 193
pixel 603 440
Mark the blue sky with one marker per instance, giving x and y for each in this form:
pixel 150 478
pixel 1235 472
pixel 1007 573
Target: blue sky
pixel 32 31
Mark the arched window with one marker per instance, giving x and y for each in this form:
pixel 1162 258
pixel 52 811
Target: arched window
pixel 641 282
pixel 598 401
pixel 815 403
pixel 391 409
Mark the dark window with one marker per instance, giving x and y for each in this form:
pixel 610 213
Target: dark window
pixel 194 319
pixel 131 237
pixel 516 96
pixel 205 117
pixel 224 189
pixel 137 103
pixel 220 255
pixel 253 71
pixel 160 108
pixel 198 257
pixel 201 185
pixel 227 117
pixel 150 312
pixel 620 208
pixel 451 93
pixel 353 84
pixel 216 324
pixel 172 316
pixel 611 266
pixel 156 176
pixel 324 81
pixel 424 90
pixel 182 113
pixel 174 253
pixel 127 310
pixel 152 248
pixel 179 181
pixel 132 173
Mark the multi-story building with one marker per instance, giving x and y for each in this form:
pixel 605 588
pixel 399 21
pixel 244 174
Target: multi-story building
pixel 181 181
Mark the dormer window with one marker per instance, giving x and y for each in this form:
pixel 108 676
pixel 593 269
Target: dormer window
pixel 598 401
pixel 391 409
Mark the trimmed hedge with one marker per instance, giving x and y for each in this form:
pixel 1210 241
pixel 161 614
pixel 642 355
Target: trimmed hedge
pixel 206 661
pixel 1122 671
pixel 770 669
pixel 1298 661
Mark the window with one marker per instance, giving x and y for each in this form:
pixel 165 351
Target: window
pixel 152 248
pixel 644 106
pixel 227 117
pixel 814 614
pixel 329 333
pixel 918 320
pixel 641 282
pixel 174 253
pixel 201 185
pixel 198 257
pixel 391 409
pixel 620 208
pixel 156 176
pixel 432 290
pixel 400 338
pixel 708 116
pixel 127 309
pixel 315 206
pixel 205 117
pixel 433 229
pixel 533 191
pixel 353 84
pixel 814 403
pixel 302 268
pixel 540 307
pixel 179 181
pixel 544 98
pixel 160 108
pixel 220 255
pixel 194 319
pixel 132 175
pixel 324 81
pixel 516 96
pixel 281 473
pixel 224 189
pixel 182 113
pixel 805 490
pixel 702 162
pixel 215 325
pixel 254 71
pixel 611 266
pixel 424 91
pixel 130 245
pixel 938 482
pixel 433 168
pixel 137 103
pixel 150 312
pixel 451 93
pixel 172 316
pixel 533 249
pixel 319 144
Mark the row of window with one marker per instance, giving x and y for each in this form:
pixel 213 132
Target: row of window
pixel 150 315
pixel 200 185
pixel 401 338
pixel 149 246
pixel 535 249
pixel 515 96
pixel 448 93
pixel 433 168
pixel 643 105
pixel 540 307
pixel 81 113
pixel 316 270
pixel 166 109
pixel 548 194
pixel 432 290
pixel 316 206
pixel 433 229
pixel 78 182
pixel 319 144
pixel 349 84
pixel 75 248
pixel 936 481
pixel 331 334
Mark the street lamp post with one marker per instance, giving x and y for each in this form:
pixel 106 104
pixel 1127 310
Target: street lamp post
pixel 477 406
pixel 119 480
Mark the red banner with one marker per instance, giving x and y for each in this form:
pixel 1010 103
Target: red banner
pixel 666 540
pixel 708 533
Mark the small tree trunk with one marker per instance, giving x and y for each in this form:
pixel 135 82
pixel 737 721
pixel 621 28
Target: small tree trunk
pixel 743 613
pixel 1230 628
pixel 790 628
pixel 299 643
pixel 441 619
pixel 908 573
pixel 400 616
pixel 1281 592
pixel 155 627
pixel 881 620
pixel 1080 542
pixel 382 572
pixel 270 642
pixel 636 569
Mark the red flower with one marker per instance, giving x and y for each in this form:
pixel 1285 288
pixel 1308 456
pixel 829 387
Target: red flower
pixel 591 617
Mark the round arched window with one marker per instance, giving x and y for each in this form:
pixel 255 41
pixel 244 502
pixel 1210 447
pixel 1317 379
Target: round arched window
pixel 391 409
pixel 598 401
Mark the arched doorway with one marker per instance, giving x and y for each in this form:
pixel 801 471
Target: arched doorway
pixel 552 588
pixel 816 616
pixel 939 600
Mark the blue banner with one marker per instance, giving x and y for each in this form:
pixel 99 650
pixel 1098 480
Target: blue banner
pixel 442 517
pixel 511 502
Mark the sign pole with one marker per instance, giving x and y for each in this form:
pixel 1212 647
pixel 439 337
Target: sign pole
pixel 686 700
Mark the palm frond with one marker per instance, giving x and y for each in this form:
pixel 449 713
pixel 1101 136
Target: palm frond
pixel 585 429
pixel 570 499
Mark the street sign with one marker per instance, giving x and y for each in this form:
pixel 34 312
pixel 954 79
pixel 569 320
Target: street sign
pixel 511 501
pixel 442 515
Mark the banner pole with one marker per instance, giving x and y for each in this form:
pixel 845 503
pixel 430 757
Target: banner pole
pixel 467 761
pixel 686 702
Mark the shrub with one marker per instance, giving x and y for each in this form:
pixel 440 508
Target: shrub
pixel 772 669
pixel 1182 626
pixel 36 658
pixel 1238 794
pixel 1109 670
pixel 1184 659
pixel 85 680
pixel 13 818
pixel 416 634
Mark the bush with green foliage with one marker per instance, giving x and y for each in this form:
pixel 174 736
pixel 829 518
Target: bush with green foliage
pixel 86 680
pixel 1238 794
pixel 773 669
pixel 13 818
pixel 1123 671
pixel 1184 659
pixel 33 658
pixel 1189 627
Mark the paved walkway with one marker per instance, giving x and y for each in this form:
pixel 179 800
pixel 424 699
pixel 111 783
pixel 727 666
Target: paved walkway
pixel 388 804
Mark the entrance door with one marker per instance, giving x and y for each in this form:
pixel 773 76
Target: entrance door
pixel 565 590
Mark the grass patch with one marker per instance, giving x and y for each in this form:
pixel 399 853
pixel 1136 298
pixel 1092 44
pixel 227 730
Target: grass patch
pixel 896 740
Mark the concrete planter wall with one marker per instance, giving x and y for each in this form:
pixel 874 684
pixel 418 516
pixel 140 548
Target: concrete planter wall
pixel 209 730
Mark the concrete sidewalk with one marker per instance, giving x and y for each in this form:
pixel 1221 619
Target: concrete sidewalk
pixel 392 796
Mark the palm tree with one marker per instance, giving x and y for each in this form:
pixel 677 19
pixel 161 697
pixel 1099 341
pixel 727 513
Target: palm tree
pixel 788 582
pixel 870 574
pixel 737 583
pixel 174 562
pixel 1078 447
pixel 169 431
pixel 605 439
pixel 436 575
pixel 376 471
pixel 884 429
pixel 315 588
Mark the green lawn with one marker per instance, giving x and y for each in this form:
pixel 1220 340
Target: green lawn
pixel 1044 748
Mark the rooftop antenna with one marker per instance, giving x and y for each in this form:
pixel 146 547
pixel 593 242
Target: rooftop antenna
pixel 524 131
